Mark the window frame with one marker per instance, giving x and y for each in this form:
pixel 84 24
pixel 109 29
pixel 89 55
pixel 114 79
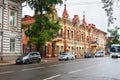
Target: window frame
pixel 12 45
pixel 14 20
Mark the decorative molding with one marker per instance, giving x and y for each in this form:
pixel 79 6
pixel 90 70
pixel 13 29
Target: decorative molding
pixel 16 1
pixel 13 7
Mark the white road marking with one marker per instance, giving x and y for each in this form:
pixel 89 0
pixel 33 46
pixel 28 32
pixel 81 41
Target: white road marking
pixel 86 68
pixel 28 69
pixel 52 77
pixel 60 64
pixel 6 72
pixel 75 71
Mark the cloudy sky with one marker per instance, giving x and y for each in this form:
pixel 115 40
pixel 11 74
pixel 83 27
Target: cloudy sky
pixel 94 12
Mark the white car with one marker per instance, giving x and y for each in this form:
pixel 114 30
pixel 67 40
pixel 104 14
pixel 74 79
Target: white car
pixel 66 56
pixel 99 54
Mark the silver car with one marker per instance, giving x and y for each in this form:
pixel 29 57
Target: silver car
pixel 66 56
pixel 29 58
pixel 99 54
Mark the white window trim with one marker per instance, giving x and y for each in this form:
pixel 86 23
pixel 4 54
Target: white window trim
pixel 12 49
pixel 15 22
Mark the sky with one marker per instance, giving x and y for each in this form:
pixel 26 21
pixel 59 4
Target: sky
pixel 94 13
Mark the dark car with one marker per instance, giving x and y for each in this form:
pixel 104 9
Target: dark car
pixel 89 55
pixel 29 58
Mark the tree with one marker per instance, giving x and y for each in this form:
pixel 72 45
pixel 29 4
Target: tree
pixel 114 36
pixel 108 7
pixel 45 25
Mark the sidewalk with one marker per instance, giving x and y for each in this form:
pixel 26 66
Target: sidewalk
pixel 44 60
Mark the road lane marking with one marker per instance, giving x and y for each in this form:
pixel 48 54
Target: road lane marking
pixel 75 71
pixel 6 72
pixel 49 78
pixel 86 68
pixel 28 69
pixel 60 64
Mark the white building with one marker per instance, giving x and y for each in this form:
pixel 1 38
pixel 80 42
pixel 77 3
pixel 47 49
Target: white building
pixel 10 29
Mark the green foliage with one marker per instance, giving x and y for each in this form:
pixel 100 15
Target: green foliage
pixel 43 5
pixel 39 36
pixel 44 27
pixel 114 36
pixel 108 6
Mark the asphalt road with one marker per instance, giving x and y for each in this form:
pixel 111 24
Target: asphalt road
pixel 104 68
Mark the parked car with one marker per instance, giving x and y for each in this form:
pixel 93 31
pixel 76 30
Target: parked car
pixel 66 56
pixel 89 55
pixel 99 54
pixel 29 58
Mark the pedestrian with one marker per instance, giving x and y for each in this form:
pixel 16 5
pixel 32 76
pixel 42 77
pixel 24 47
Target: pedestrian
pixel 60 52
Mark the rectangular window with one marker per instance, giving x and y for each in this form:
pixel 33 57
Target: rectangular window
pixel 13 18
pixel 72 34
pixel 12 45
pixel 0 16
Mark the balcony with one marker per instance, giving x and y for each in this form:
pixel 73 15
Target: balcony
pixel 58 37
pixel 93 44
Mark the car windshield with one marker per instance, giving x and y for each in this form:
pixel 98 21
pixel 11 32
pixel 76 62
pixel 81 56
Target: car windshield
pixel 115 49
pixel 98 53
pixel 65 53
pixel 24 54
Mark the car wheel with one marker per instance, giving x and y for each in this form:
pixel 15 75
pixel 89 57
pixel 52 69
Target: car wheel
pixel 72 58
pixel 39 60
pixel 67 58
pixel 27 61
pixel 113 57
pixel 59 59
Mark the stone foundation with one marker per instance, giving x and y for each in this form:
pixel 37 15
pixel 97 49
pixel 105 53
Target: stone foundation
pixel 8 58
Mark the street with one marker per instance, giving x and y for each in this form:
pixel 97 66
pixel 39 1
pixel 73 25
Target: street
pixel 101 68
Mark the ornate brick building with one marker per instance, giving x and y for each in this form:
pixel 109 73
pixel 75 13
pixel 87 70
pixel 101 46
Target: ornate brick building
pixel 75 36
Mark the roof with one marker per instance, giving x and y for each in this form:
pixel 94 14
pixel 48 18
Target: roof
pixel 84 21
pixel 28 20
pixel 65 13
pixel 75 19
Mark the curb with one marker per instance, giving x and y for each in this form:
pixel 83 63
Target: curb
pixel 44 60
